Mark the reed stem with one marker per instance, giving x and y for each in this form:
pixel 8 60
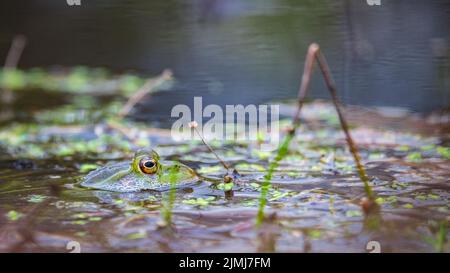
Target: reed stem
pixel 313 54
pixel 148 87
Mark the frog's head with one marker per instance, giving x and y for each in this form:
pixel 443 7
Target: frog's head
pixel 145 172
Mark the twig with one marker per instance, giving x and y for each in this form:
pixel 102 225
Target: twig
pixel 194 125
pixel 312 55
pixel 15 51
pixel 12 60
pixel 149 86
pixel 304 85
pixel 315 53
pixel 352 145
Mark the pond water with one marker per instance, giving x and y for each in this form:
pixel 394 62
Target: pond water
pixel 314 197
pixel 247 52
pixel 228 52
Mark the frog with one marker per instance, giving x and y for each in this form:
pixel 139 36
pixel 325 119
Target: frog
pixel 145 172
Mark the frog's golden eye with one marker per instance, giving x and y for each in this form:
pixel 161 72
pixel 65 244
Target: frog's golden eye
pixel 148 166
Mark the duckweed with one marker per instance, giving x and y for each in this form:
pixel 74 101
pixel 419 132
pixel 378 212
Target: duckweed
pixel 202 202
pixel 13 215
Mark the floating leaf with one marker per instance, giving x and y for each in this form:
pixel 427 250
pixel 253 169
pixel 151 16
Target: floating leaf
pixel 13 215
pixel 141 234
pixel 444 152
pixel 278 195
pixel 199 201
pixel 353 213
pixel 314 234
pixel 36 198
pixel 414 157
pixel 408 206
pixel 80 222
pixel 88 167
pixel 225 186
pixel 210 169
pixel 246 166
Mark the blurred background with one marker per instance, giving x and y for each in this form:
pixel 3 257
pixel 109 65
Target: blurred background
pixel 75 73
pixel 246 51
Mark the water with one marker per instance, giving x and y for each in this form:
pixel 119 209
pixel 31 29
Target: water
pixel 247 52
pixel 315 197
pixel 234 52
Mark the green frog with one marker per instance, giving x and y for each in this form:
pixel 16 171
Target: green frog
pixel 145 172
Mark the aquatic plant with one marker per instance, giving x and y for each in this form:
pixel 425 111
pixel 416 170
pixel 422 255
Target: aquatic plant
pixel 314 55
pixel 194 126
pixel 440 237
pixel 281 153
pixel 75 80
pixel 149 86
pixel 227 185
pixel 13 78
pixel 169 200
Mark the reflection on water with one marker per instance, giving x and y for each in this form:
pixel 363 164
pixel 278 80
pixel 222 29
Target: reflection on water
pixel 233 51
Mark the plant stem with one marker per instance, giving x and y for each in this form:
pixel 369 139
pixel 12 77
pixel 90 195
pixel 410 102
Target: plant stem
pixel 12 60
pixel 149 86
pixel 312 55
pixel 168 204
pixel 211 149
pixel 281 153
pixel 15 51
pixel 344 125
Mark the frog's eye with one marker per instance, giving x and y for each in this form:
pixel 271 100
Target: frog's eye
pixel 148 166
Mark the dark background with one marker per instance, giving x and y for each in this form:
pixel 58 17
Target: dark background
pixel 246 51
